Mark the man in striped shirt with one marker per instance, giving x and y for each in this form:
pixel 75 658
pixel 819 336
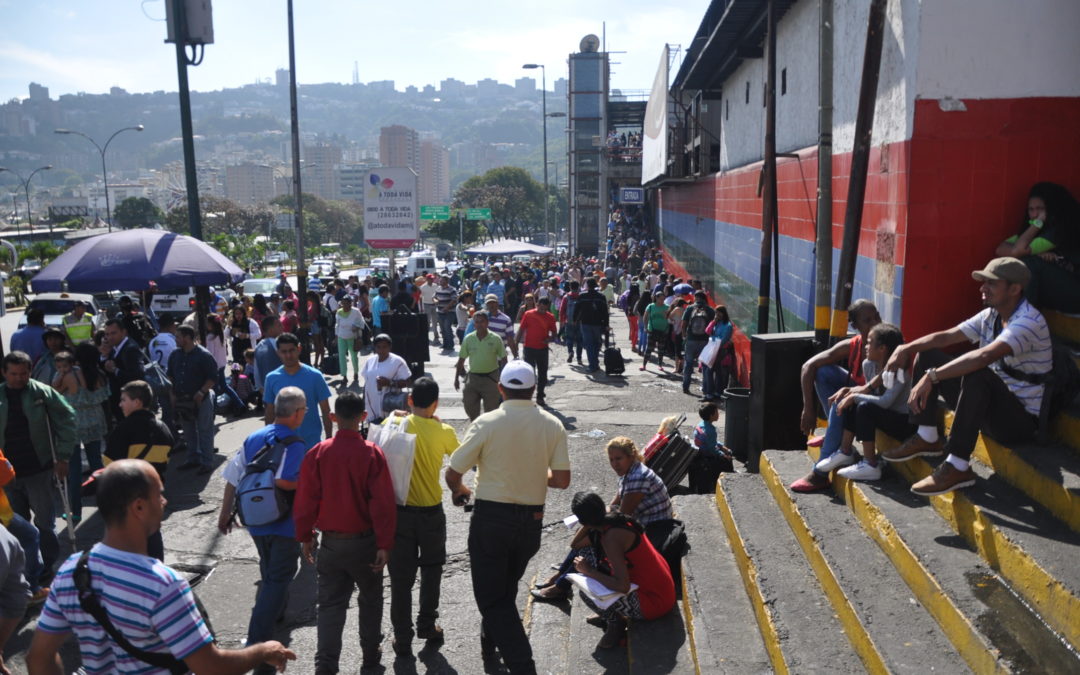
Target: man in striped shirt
pixel 994 388
pixel 151 605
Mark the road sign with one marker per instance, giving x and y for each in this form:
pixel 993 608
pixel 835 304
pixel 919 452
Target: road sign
pixel 434 213
pixel 632 195
pixel 390 209
pixel 285 221
pixel 478 214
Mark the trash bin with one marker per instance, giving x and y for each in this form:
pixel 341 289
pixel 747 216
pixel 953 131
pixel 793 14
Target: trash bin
pixel 737 421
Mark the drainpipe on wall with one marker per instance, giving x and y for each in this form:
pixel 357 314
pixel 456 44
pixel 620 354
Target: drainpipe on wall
pixel 768 202
pixel 860 161
pixel 823 258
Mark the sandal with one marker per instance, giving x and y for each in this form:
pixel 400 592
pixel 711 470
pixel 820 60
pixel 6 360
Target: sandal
pixel 550 594
pixel 597 620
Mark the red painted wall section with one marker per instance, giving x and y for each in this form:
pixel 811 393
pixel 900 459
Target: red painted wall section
pixel 732 197
pixel 970 172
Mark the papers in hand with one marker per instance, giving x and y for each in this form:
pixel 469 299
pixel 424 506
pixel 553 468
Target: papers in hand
pixel 601 596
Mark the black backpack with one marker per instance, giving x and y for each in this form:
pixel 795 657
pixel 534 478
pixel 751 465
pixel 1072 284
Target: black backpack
pixel 1061 385
pixel 698 322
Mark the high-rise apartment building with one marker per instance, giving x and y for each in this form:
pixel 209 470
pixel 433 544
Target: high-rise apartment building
pixel 434 181
pixel 399 146
pixel 321 171
pixel 249 184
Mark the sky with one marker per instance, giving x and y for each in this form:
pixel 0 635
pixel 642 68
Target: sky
pixel 73 46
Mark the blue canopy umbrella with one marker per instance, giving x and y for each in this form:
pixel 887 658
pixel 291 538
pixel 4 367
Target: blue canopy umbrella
pixel 683 289
pixel 131 260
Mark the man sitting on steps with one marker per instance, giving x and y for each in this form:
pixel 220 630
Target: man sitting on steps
pixel 994 389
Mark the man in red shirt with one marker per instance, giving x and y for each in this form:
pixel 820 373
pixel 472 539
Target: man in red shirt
pixel 345 492
pixel 536 331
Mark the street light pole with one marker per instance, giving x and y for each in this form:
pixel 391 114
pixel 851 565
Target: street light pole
pixel 26 190
pixel 104 173
pixel 544 118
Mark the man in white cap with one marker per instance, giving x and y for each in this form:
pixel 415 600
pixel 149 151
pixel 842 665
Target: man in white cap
pixel 996 388
pixel 519 451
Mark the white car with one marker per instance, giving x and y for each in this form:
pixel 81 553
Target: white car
pixel 322 268
pixel 380 264
pixel 56 305
pixel 253 287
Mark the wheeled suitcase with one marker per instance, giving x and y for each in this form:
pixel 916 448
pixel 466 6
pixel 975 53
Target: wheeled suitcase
pixel 673 460
pixel 614 364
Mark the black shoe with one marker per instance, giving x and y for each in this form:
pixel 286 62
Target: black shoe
pixel 372 660
pixel 597 620
pixel 433 633
pixel 686 391
pixel 488 651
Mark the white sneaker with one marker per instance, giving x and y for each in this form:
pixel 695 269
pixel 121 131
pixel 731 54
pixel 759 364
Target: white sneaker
pixel 835 461
pixel 861 471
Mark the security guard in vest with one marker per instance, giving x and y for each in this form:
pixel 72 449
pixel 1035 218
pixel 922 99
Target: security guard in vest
pixel 78 325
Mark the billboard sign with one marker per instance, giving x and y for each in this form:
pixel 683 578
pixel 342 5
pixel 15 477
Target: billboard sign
pixel 654 140
pixel 391 216
pixel 631 195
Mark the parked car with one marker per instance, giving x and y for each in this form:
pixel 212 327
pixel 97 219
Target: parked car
pixel 180 302
pixel 323 268
pixel 380 264
pixel 29 268
pixel 56 305
pixel 253 287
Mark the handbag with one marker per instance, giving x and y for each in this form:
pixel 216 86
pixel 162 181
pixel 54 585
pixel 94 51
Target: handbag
pixel 709 353
pixel 395 399
pixel 399 447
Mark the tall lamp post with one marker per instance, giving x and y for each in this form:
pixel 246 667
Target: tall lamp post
pixel 104 174
pixel 26 189
pixel 543 87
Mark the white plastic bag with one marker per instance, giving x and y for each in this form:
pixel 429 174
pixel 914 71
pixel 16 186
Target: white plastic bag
pixel 400 450
pixel 709 353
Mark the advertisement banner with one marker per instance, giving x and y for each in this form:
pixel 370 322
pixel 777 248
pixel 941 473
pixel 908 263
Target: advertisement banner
pixel 390 210
pixel 654 142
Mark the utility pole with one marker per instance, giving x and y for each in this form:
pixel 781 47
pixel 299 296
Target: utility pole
pixel 301 270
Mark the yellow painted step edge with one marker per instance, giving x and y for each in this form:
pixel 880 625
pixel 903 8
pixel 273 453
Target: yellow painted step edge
pixel 1063 503
pixel 1067 428
pixel 982 658
pixel 749 576
pixel 856 633
pixel 688 621
pixel 1059 607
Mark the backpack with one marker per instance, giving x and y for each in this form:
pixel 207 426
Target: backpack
pixel 258 500
pixel 571 303
pixel 1062 385
pixel 697 325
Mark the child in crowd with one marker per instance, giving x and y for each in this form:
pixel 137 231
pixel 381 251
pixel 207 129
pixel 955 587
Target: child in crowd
pixel 865 409
pixel 249 372
pixel 713 457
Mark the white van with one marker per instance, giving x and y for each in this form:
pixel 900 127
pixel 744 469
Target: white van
pixel 419 263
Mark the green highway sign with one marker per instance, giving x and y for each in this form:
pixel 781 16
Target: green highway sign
pixel 434 213
pixel 478 214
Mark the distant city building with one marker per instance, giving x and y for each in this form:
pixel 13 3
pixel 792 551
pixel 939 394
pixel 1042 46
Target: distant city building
pixel 525 85
pixel 320 176
pixel 487 88
pixel 351 178
pixel 561 87
pixel 281 77
pixel 113 91
pixel 249 184
pixel 451 88
pixel 434 181
pixel 38 93
pixel 386 86
pixel 429 90
pixel 399 146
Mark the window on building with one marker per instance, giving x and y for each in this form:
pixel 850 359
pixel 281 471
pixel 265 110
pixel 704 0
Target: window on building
pixel 783 81
pixel 748 91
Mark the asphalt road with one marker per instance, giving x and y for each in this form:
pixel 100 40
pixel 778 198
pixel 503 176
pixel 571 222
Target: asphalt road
pixel 594 409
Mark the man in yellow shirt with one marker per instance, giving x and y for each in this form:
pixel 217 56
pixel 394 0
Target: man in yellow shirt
pixel 420 538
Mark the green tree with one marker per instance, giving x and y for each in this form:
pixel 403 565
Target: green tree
pixel 516 201
pixel 137 212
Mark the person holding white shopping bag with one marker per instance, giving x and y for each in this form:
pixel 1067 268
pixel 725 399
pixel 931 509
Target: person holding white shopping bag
pixel 420 540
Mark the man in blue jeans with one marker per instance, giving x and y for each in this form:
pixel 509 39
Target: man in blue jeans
pixel 591 313
pixel 194 373
pixel 570 327
pixel 278 549
pixel 696 320
pixel 824 374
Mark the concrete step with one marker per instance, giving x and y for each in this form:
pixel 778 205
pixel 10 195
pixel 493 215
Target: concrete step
pixel 1030 548
pixel 891 630
pixel 1063 326
pixel 985 622
pixel 585 658
pixel 800 630
pixel 719 617
pixel 661 645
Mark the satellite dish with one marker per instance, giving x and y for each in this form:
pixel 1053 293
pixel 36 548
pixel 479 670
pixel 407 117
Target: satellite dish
pixel 590 43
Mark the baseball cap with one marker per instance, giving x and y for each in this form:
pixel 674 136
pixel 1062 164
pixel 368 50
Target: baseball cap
pixel 490 297
pixel 1004 269
pixel 518 375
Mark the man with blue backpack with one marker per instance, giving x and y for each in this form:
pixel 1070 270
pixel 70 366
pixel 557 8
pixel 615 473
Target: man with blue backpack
pixel 261 481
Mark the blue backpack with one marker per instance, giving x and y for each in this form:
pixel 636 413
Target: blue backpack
pixel 259 501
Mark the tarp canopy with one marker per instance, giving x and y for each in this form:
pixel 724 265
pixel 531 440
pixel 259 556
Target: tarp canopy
pixel 130 260
pixel 509 247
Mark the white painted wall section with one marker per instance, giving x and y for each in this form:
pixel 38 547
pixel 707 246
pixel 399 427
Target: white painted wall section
pixel 994 49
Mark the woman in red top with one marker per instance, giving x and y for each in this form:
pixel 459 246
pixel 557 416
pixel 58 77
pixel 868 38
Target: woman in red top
pixel 622 555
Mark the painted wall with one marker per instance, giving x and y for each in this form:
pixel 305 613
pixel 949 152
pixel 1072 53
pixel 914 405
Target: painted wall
pixel 1035 50
pixel 742 134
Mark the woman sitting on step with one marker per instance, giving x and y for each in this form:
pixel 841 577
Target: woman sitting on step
pixel 620 556
pixel 641 494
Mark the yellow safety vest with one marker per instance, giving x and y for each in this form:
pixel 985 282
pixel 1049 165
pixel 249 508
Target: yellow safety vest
pixel 79 330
